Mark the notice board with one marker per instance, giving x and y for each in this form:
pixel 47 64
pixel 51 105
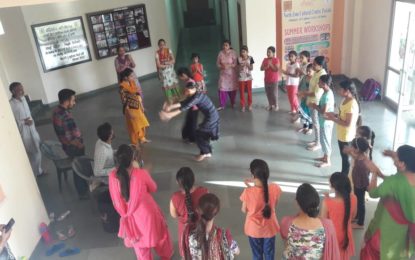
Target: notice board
pixel 61 43
pixel 126 27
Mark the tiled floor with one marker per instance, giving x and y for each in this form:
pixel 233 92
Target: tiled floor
pixel 244 136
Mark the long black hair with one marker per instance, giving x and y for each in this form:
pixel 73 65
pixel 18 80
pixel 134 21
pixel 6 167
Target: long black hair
pixel 124 157
pixel 184 71
pixel 186 179
pixel 366 132
pixel 321 61
pixel 308 200
pixel 349 85
pixel 361 144
pixel 208 206
pixel 342 186
pixel 259 169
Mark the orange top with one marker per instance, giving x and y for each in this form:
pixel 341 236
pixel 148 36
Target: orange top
pixel 196 69
pixel 256 225
pixel 335 212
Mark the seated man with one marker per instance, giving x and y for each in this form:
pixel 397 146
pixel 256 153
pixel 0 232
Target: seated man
pixel 104 154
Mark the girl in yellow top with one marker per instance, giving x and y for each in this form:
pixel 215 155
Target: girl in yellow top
pixel 347 120
pixel 133 108
pixel 313 95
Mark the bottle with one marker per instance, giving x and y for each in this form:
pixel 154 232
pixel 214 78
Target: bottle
pixel 44 231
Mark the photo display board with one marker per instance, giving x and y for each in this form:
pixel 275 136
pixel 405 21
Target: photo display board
pixel 61 43
pixel 126 27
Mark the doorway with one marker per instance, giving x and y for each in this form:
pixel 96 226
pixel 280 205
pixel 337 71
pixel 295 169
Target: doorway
pixel 400 72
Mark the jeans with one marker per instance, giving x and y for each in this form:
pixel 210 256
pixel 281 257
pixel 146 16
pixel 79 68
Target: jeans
pixel 345 158
pixel 262 248
pixel 361 210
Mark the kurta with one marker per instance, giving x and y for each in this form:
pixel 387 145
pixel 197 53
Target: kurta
pixel 29 134
pixel 228 78
pixel 134 112
pixel 168 76
pixel 388 234
pixel 142 222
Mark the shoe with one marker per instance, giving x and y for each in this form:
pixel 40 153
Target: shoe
pixel 220 108
pixel 314 148
pixel 308 131
pixel 322 164
pixel 71 232
pixel 69 252
pixel 55 248
pixel 63 215
pixel 61 235
pixel 201 157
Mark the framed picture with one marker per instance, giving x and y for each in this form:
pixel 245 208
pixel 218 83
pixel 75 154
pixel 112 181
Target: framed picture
pixel 126 27
pixel 62 43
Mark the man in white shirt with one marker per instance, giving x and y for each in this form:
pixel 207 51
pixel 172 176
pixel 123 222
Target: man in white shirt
pixel 26 125
pixel 104 154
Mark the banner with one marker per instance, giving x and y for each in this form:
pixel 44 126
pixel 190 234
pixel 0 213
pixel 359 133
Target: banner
pixel 61 43
pixel 307 25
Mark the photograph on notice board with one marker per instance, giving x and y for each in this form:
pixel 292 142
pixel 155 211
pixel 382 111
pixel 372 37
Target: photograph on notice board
pixel 109 26
pixel 62 43
pixel 118 15
pixel 103 52
pixel 107 17
pixel 96 19
pixel 98 28
pixel 124 26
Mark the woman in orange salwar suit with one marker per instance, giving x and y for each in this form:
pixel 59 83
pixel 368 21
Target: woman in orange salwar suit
pixel 133 108
pixel 142 224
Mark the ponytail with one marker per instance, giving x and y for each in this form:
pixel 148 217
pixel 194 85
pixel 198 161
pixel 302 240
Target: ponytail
pixel 341 184
pixel 350 86
pixel 124 156
pixel 259 169
pixel 186 179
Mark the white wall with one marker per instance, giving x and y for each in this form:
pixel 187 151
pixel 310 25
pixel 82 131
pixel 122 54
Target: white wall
pixel 23 201
pixel 93 75
pixel 17 58
pixel 260 33
pixel 366 38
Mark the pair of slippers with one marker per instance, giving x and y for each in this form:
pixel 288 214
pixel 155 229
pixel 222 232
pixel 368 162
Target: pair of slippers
pixel 67 252
pixel 62 236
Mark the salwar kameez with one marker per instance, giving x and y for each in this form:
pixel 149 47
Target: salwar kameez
pixel 168 76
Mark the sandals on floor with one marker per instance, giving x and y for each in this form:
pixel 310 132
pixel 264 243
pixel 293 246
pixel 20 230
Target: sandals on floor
pixel 61 235
pixel 69 252
pixel 55 248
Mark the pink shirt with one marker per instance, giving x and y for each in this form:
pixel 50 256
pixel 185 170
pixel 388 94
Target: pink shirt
pixel 256 225
pixel 270 75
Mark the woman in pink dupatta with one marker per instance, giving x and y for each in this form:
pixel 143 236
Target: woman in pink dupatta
pixel 142 224
pixel 307 236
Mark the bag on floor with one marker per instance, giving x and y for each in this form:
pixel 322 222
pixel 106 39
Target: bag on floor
pixel 370 90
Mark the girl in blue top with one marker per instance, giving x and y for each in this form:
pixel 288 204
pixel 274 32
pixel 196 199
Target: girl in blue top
pixel 326 104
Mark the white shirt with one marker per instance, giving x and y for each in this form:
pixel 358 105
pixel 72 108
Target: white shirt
pixel 103 158
pixel 29 134
pixel 292 68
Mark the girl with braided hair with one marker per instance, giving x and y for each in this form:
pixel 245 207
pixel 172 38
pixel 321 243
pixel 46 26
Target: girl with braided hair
pixel 259 202
pixel 206 241
pixel 341 209
pixel 142 224
pixel 183 203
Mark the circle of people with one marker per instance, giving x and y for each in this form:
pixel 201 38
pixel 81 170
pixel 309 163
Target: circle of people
pixel 319 230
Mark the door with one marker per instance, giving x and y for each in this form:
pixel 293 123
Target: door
pixel 400 88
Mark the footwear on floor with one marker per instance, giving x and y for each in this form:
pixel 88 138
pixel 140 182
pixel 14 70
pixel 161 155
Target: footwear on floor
pixel 61 235
pixel 314 148
pixel 201 157
pixel 220 108
pixel 55 248
pixel 70 251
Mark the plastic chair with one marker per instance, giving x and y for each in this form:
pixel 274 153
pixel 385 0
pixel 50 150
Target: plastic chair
pixel 53 151
pixel 83 166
